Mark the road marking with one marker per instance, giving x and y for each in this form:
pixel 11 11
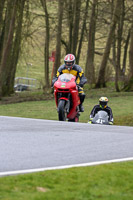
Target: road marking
pixel 9 173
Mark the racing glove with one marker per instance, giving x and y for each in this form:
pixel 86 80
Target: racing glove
pixel 110 123
pixel 90 121
pixel 53 81
pixel 78 86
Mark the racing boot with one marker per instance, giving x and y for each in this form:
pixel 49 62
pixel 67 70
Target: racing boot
pixel 82 97
pixel 81 108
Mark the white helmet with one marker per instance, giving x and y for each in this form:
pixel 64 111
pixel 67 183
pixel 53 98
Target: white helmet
pixel 103 102
pixel 69 61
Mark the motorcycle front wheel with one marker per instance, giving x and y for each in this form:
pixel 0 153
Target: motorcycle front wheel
pixel 62 114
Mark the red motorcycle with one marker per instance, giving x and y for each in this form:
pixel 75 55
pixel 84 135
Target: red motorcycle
pixel 67 98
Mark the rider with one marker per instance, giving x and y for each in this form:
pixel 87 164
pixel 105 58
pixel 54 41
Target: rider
pixel 69 66
pixel 103 101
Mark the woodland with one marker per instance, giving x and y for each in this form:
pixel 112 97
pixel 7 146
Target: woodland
pixel 98 32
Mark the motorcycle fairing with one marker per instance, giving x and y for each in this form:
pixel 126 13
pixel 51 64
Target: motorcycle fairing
pixel 67 92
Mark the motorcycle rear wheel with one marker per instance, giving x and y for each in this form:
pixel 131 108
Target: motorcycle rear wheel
pixel 62 114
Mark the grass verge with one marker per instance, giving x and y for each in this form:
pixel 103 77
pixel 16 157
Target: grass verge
pixel 106 182
pixel 42 106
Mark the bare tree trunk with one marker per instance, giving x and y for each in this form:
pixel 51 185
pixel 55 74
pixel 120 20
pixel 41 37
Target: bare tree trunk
pixel 2 13
pixel 46 48
pixel 70 21
pixel 8 39
pixel 119 35
pixel 101 77
pixel 16 46
pixel 77 5
pixel 129 85
pixel 114 52
pixel 82 32
pixel 11 45
pixel 58 40
pixel 119 41
pixel 125 52
pixel 89 70
pixel 131 55
pixel 2 3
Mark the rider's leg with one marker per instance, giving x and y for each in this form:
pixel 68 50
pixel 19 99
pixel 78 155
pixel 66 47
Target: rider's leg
pixel 82 97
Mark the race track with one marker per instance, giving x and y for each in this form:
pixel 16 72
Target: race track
pixel 34 144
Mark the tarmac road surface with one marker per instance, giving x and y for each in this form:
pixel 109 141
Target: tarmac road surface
pixel 33 143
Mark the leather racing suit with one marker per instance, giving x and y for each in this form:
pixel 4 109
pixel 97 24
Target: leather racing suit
pixel 80 78
pixel 98 108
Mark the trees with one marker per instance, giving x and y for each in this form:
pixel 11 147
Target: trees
pixel 75 12
pixel 129 84
pixel 116 14
pixel 10 44
pixel 82 31
pixel 82 27
pixel 2 3
pixel 46 47
pixel 58 37
pixel 89 69
pixel 76 21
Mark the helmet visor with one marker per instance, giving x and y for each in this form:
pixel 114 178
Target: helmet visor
pixel 69 64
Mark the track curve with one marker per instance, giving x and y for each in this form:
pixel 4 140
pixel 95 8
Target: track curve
pixel 32 143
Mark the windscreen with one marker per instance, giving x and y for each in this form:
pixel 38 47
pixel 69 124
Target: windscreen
pixel 66 77
pixel 102 114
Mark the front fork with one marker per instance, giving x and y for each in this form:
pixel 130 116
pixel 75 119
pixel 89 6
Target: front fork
pixel 67 102
pixel 67 106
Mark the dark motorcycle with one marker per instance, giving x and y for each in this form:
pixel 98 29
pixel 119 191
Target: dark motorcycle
pixel 101 118
pixel 67 98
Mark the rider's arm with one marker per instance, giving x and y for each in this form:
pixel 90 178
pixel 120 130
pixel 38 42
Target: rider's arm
pixel 53 81
pixel 81 79
pixel 59 72
pixel 93 112
pixel 111 115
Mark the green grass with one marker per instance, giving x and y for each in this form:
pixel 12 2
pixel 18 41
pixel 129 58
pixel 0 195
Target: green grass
pixel 106 182
pixel 122 107
pixel 33 109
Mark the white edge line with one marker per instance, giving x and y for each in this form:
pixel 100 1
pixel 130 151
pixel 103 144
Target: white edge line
pixel 8 173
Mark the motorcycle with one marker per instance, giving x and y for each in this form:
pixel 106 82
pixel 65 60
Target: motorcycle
pixel 101 118
pixel 67 98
